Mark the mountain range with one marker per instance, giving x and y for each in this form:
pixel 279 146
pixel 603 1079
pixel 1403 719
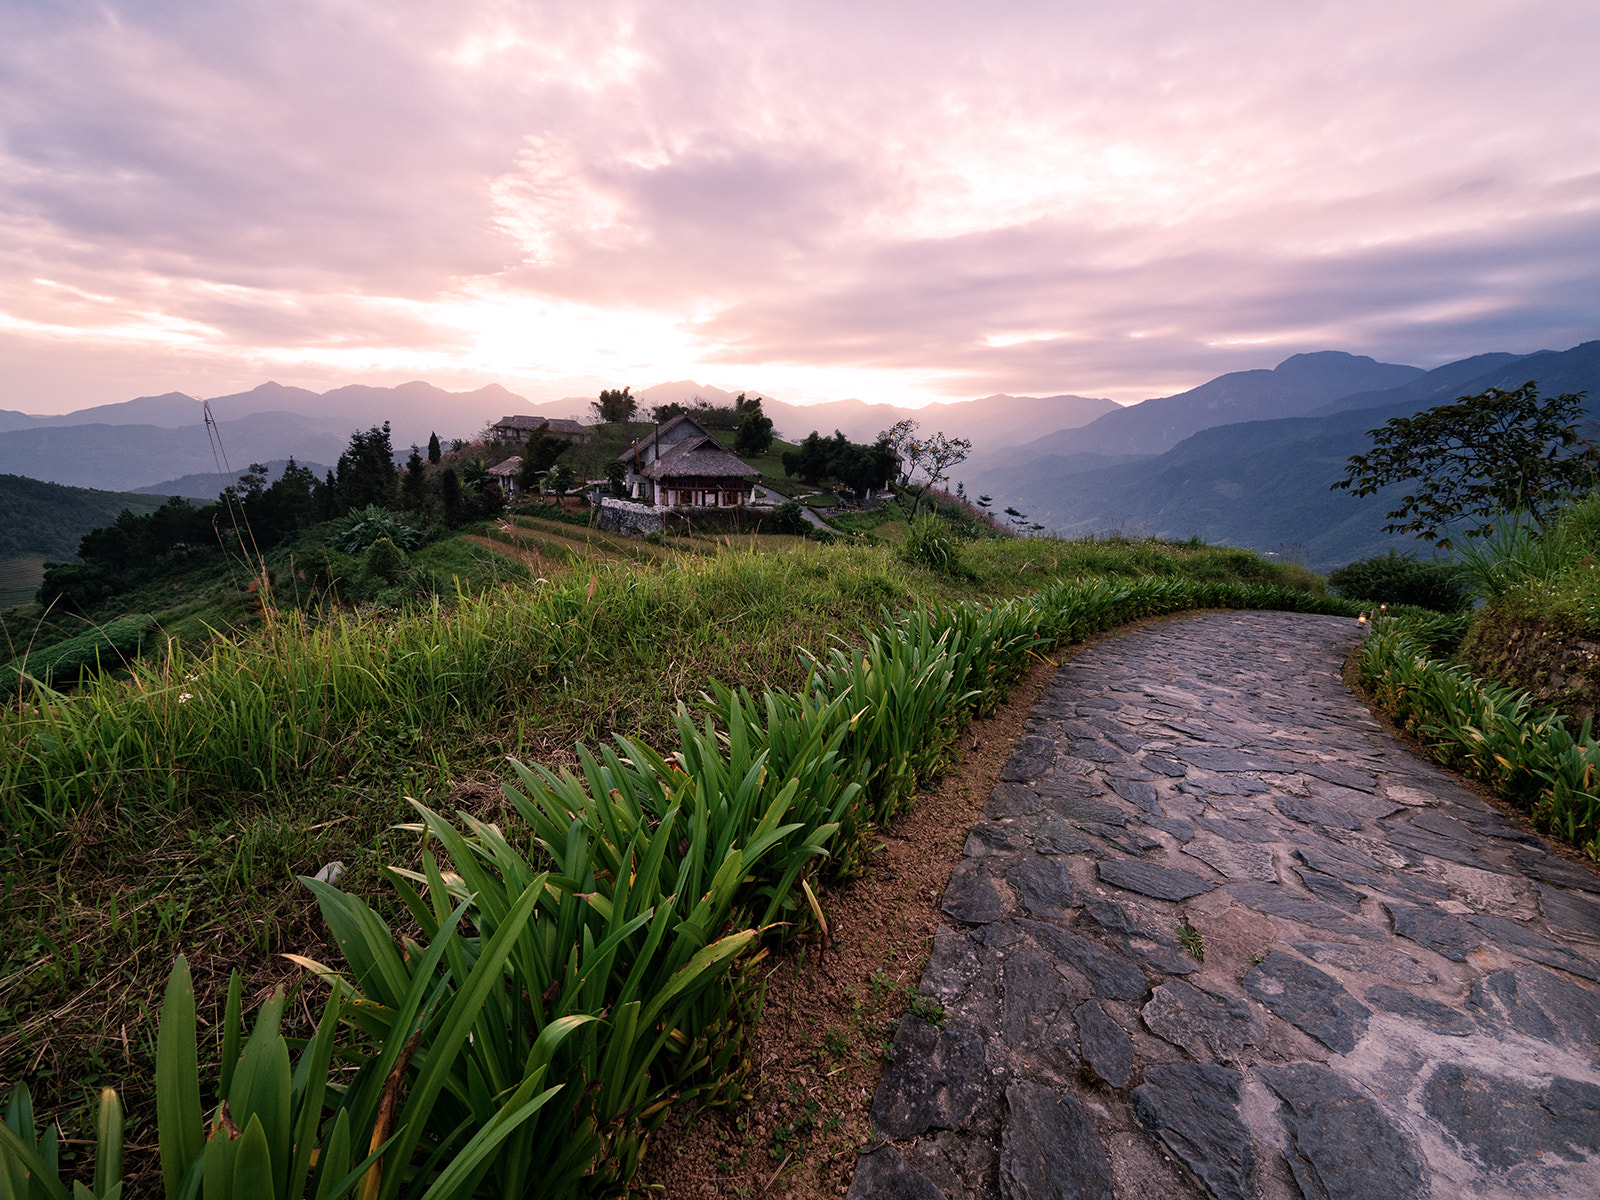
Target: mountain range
pixel 1257 483
pixel 1244 459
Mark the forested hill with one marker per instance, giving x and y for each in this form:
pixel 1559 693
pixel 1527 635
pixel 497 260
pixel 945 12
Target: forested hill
pixel 49 519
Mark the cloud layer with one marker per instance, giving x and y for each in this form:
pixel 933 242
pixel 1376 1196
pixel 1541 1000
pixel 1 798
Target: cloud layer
pixel 896 201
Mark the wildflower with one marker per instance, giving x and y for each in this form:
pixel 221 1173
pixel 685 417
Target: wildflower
pixel 183 696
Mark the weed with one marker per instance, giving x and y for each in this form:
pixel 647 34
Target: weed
pixel 1189 938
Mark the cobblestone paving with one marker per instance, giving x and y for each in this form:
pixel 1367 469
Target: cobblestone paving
pixel 1397 996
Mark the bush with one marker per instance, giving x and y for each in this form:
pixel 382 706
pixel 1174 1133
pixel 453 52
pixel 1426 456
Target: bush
pixel 932 544
pixel 789 519
pixel 1401 579
pixel 360 527
pixel 384 560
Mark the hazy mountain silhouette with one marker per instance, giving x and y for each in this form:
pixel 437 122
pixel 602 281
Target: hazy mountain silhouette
pixel 1265 484
pixel 1293 388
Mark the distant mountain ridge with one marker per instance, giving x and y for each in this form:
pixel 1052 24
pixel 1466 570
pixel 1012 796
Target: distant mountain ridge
pixel 1293 388
pixel 1262 484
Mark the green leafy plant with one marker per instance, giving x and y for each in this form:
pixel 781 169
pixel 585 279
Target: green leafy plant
pixel 931 544
pixel 1490 733
pixel 361 527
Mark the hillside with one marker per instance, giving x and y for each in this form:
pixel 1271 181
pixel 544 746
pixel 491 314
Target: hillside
pixel 242 765
pixel 49 519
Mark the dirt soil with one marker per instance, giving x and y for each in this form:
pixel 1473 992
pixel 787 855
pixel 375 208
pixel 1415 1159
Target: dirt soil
pixel 831 1011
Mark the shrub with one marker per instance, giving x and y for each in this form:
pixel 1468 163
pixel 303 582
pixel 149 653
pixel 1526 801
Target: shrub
pixel 384 560
pixel 789 519
pixel 1401 579
pixel 933 545
pixel 360 527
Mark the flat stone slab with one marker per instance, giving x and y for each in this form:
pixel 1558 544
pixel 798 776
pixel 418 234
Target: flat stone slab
pixel 937 1080
pixel 1571 911
pixel 1049 1148
pixel 1316 812
pixel 1439 931
pixel 976 897
pixel 952 966
pixel 1342 1146
pixel 884 1174
pixel 1440 1018
pixel 1311 1000
pixel 1057 835
pixel 1148 879
pixel 1540 1004
pixel 1043 886
pixel 1108 973
pixel 1035 995
pixel 1530 944
pixel 1106 1048
pixel 1383 962
pixel 1234 860
pixel 1205 1024
pixel 1275 900
pixel 1194 1109
pixel 1505 1123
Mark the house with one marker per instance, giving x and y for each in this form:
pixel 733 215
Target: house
pixel 681 465
pixel 505 474
pixel 517 429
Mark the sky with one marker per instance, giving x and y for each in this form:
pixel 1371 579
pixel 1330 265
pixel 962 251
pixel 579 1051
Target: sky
pixel 899 201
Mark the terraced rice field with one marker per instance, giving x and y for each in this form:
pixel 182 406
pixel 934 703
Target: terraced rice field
pixel 545 546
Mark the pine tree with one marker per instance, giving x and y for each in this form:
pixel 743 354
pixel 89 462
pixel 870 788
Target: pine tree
pixel 433 449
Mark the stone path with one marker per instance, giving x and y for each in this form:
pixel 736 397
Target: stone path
pixel 1397 996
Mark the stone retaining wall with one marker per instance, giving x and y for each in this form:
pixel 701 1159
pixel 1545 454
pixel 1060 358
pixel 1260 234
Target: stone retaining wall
pixel 628 518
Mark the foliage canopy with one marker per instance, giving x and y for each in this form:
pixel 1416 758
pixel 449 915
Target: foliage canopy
pixel 615 404
pixel 1479 457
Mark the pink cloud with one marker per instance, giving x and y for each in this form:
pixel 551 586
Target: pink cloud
pixel 961 197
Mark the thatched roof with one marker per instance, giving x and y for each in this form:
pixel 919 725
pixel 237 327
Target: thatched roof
pixel 508 468
pixel 699 458
pixel 560 426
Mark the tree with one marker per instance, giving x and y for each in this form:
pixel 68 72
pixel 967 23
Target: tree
pixel 615 404
pixel 475 475
pixel 617 478
pixel 414 487
pixel 450 496
pixel 434 453
pixel 934 456
pixel 1482 456
pixel 562 479
pixel 858 467
pixel 755 431
pixel 365 471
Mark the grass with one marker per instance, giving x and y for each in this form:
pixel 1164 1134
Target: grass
pixel 171 810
